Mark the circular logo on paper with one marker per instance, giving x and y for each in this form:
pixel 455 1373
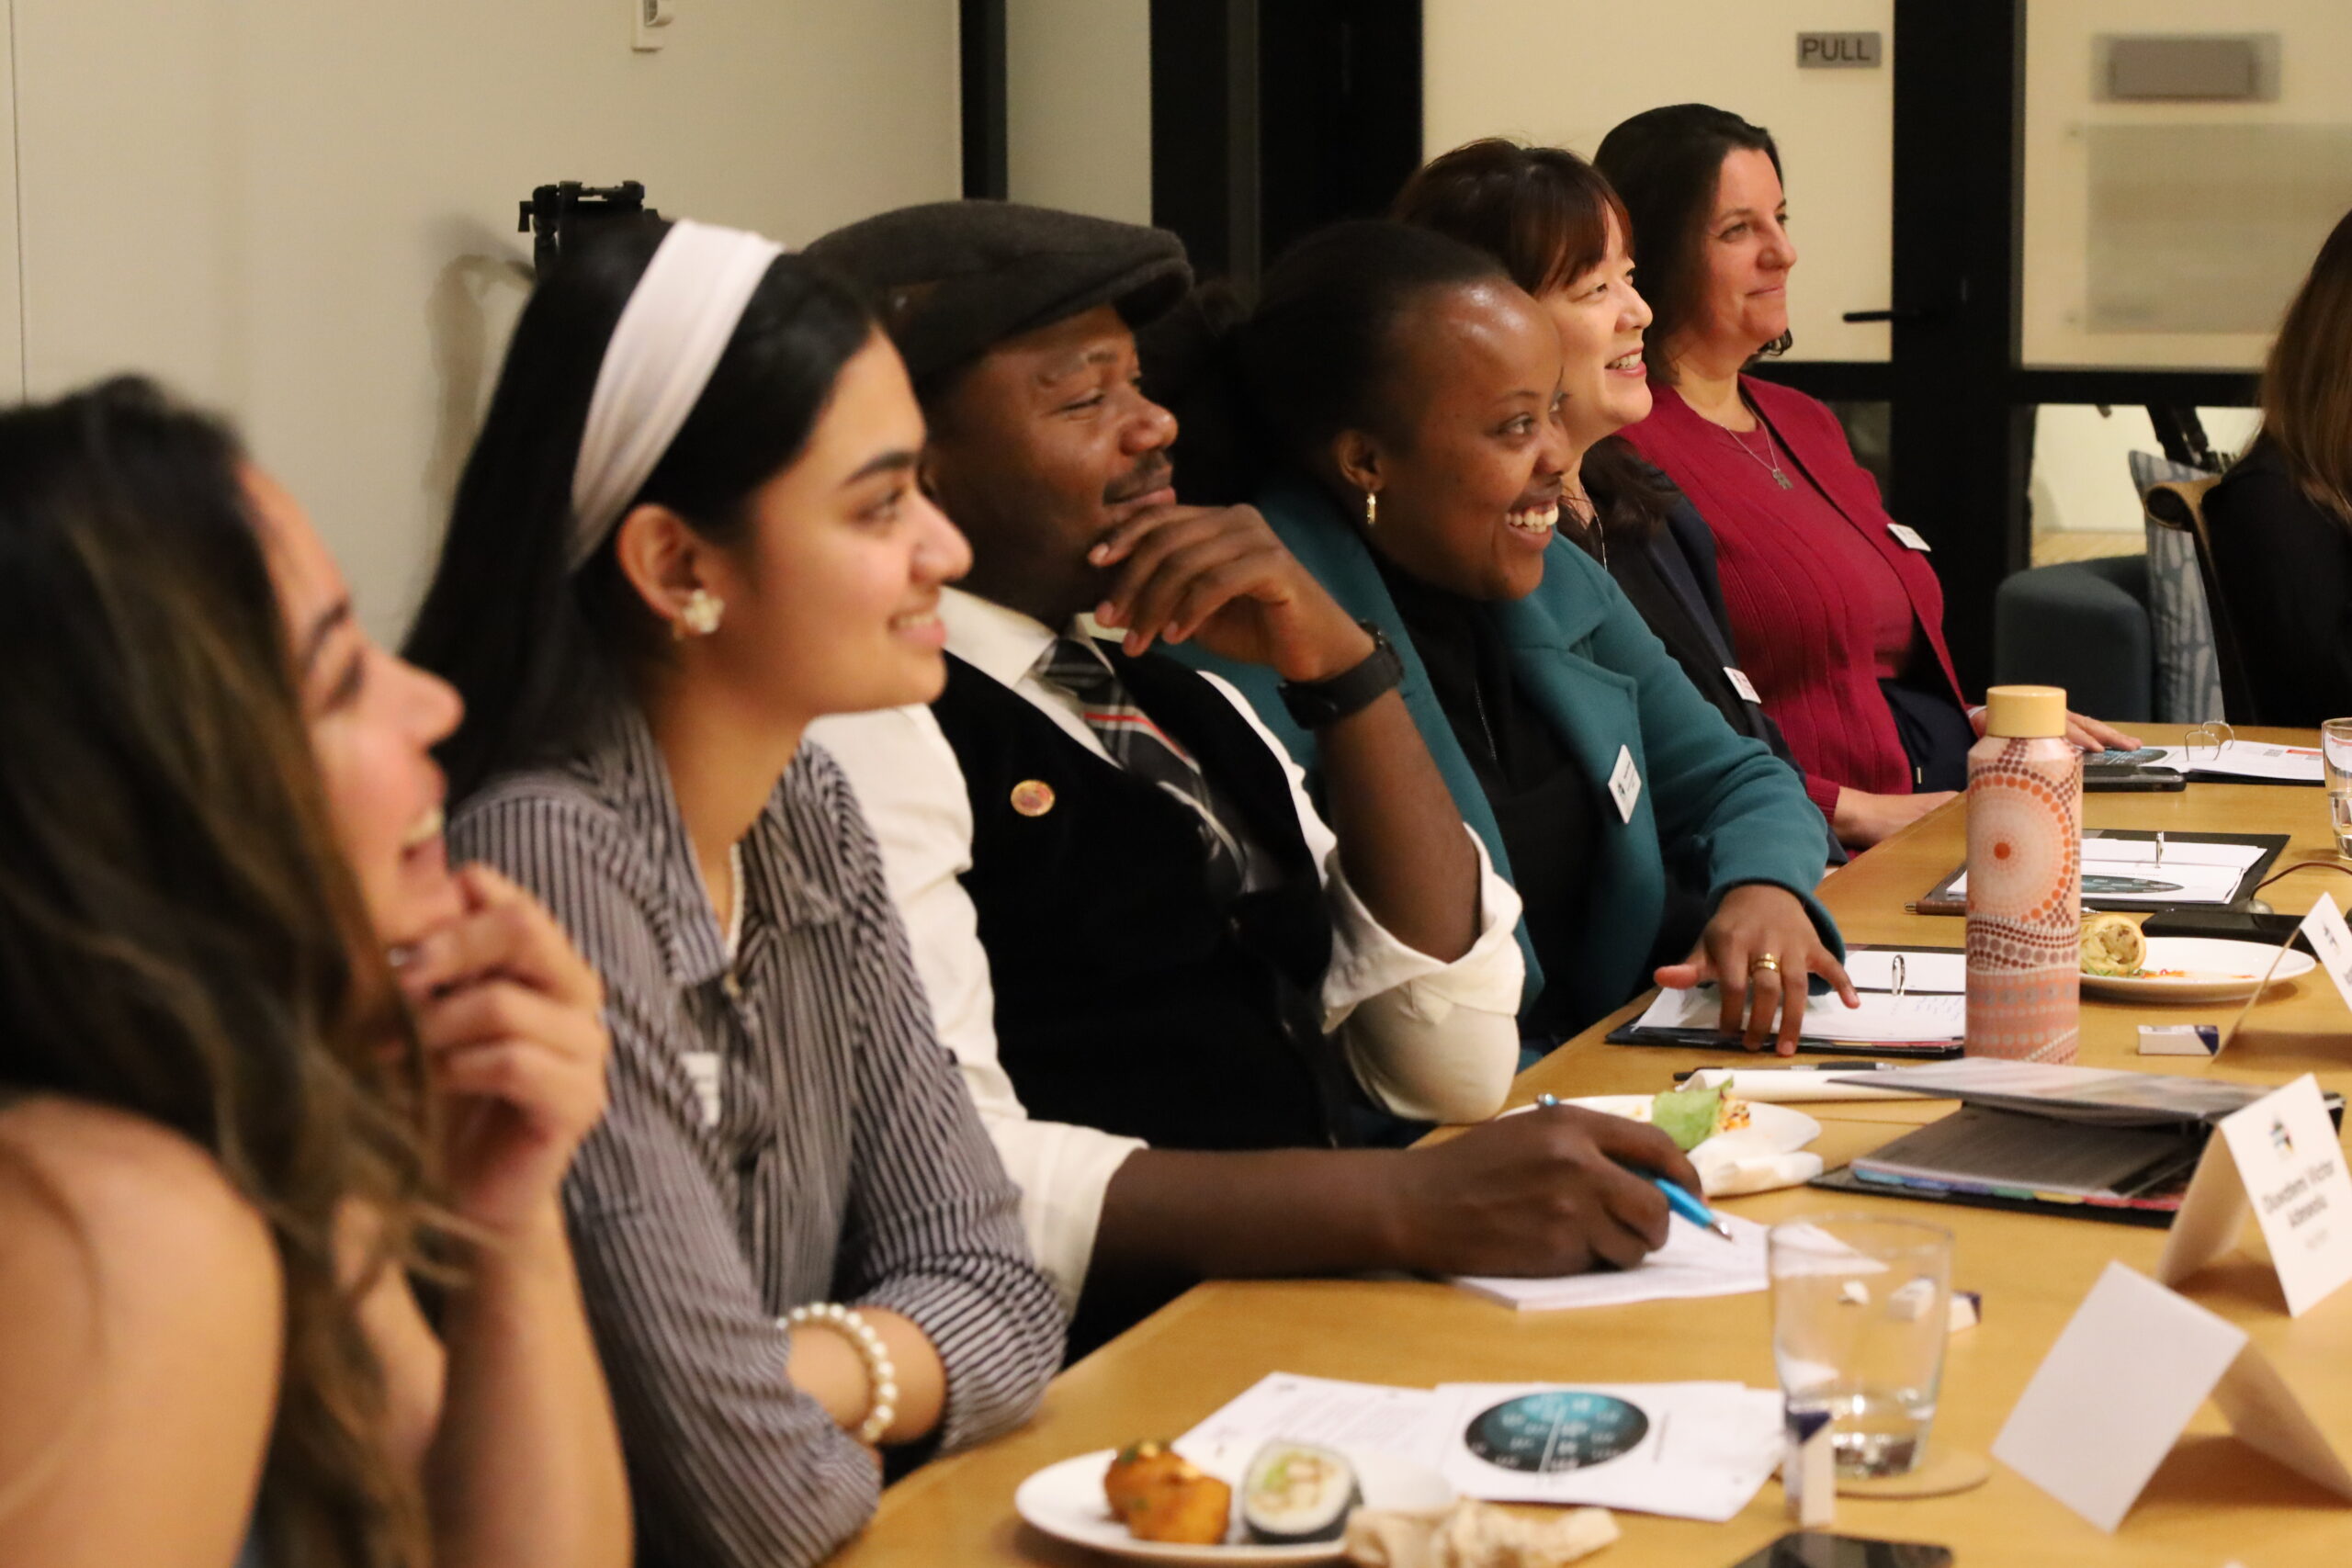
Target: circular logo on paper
pixel 1542 1433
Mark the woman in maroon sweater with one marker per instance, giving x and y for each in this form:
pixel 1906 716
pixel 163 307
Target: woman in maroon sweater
pixel 1835 605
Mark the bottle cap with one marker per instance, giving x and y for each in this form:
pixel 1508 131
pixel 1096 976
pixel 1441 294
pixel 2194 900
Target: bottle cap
pixel 2026 712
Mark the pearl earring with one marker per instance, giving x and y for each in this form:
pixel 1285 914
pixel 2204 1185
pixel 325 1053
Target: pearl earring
pixel 699 615
pixel 1372 509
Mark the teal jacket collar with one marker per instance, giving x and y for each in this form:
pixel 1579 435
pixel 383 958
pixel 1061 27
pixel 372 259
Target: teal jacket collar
pixel 1734 813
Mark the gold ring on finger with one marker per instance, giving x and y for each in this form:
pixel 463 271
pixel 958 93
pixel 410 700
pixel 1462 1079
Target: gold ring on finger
pixel 1764 963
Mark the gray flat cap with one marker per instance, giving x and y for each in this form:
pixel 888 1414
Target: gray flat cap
pixel 953 278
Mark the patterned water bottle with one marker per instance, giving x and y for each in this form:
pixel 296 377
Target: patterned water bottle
pixel 2025 879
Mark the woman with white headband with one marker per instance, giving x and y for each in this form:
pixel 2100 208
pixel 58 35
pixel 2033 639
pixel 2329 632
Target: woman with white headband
pixel 689 527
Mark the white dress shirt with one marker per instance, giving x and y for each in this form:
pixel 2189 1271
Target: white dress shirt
pixel 1428 1039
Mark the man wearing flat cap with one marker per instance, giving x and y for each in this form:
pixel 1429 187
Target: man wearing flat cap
pixel 1177 990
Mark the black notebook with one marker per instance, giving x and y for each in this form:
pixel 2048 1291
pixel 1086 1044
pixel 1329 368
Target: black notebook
pixel 2084 1141
pixel 2143 888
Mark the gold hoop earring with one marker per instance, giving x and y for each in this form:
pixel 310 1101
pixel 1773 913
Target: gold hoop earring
pixel 1372 509
pixel 699 615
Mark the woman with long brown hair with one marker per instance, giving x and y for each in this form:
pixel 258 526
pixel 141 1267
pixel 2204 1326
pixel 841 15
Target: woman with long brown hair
pixel 1836 605
pixel 2282 521
pixel 233 1127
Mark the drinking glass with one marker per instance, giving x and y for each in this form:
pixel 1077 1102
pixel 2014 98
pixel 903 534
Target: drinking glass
pixel 2336 745
pixel 1861 1307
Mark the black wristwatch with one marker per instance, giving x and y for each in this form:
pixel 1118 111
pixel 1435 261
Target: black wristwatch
pixel 1313 704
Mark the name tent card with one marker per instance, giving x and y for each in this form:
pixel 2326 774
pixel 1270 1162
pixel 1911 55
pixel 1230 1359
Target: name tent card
pixel 2129 1370
pixel 2331 940
pixel 2279 1158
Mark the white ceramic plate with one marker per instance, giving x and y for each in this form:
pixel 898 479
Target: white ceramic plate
pixel 2211 970
pixel 1770 1130
pixel 1066 1501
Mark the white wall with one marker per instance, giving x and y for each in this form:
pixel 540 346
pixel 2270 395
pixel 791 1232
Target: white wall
pixel 1564 71
pixel 304 212
pixel 1078 109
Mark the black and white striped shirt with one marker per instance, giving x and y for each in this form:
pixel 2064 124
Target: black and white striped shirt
pixel 782 1130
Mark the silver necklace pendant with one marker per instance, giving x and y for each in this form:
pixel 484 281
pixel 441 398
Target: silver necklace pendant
pixel 1780 479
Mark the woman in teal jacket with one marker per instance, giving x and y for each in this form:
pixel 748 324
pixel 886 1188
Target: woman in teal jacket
pixel 1403 397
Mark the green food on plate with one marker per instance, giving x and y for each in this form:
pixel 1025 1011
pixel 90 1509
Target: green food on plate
pixel 1687 1115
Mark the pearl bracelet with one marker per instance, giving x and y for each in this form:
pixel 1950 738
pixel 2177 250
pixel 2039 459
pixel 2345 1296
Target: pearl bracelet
pixel 881 1374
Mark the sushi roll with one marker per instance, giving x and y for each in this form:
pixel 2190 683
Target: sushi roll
pixel 1296 1493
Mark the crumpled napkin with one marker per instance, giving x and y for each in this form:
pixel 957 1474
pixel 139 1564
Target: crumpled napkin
pixel 1731 1163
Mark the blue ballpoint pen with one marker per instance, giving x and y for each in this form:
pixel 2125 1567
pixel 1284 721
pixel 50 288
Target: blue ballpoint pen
pixel 1676 1197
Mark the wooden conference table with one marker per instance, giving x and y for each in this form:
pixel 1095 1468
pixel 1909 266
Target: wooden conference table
pixel 2214 1501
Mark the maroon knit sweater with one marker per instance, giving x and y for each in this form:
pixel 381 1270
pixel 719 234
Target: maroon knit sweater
pixel 1808 610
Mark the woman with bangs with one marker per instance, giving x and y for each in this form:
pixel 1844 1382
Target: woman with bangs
pixel 1553 222
pixel 230 1130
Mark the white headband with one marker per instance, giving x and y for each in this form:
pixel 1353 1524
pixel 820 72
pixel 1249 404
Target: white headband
pixel 675 325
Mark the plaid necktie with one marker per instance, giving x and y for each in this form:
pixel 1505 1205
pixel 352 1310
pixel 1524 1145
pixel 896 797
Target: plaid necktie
pixel 1141 747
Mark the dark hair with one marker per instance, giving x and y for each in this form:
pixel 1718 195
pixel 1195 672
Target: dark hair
pixel 1543 213
pixel 1666 164
pixel 1318 354
pixel 534 649
pixel 2307 382
pixel 179 937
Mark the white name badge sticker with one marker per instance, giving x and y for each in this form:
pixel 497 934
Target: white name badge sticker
pixel 2332 941
pixel 1741 683
pixel 1908 536
pixel 702 1072
pixel 2127 1372
pixel 1625 783
pixel 2281 1160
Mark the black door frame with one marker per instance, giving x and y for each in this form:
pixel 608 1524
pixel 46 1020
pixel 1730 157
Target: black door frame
pixel 1273 118
pixel 979 38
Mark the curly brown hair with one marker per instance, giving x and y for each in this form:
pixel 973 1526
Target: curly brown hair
pixel 179 936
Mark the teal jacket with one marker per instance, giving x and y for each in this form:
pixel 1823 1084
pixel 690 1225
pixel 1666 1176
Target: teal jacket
pixel 1733 811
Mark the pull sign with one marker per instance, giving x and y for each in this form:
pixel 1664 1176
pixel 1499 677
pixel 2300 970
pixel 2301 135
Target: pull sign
pixel 1837 52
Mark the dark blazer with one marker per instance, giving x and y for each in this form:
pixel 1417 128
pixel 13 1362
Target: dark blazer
pixel 2284 565
pixel 1590 666
pixel 1681 556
